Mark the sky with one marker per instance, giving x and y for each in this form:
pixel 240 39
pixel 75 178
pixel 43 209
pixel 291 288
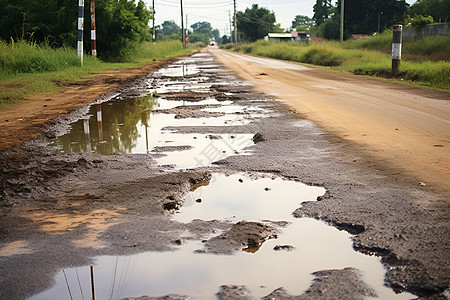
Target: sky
pixel 218 12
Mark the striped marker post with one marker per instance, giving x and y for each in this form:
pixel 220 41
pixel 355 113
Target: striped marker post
pixel 396 47
pixel 80 30
pixel 93 35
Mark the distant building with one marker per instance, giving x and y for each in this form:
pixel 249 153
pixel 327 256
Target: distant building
pixel 358 36
pixel 293 36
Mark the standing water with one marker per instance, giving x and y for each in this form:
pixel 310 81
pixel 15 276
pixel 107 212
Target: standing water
pixel 316 246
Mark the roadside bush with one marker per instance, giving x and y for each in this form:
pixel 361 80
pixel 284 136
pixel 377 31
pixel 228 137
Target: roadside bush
pixel 369 56
pixel 381 42
pixel 419 21
pixel 25 57
pixel 322 57
pixel 227 46
pixel 147 51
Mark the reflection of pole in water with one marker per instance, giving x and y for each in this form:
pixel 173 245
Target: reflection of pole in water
pixel 99 122
pixel 92 282
pixel 87 135
pixel 146 138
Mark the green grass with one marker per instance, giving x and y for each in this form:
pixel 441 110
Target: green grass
pixel 425 62
pixel 27 69
pixel 147 52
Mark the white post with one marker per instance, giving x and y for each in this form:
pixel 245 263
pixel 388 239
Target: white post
pixel 396 47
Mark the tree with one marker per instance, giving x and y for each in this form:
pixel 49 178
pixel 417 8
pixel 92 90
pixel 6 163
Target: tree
pixel 217 37
pixel 362 16
pixel 322 11
pixel 226 39
pixel 40 20
pixel 202 27
pixel 121 24
pixel 202 32
pixel 302 22
pixel 169 27
pixel 255 23
pixel 438 9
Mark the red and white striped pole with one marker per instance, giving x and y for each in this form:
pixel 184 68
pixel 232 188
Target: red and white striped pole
pixel 93 35
pixel 80 30
pixel 99 123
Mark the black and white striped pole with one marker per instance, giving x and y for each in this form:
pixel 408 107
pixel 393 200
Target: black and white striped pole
pixel 80 30
pixel 93 34
pixel 396 47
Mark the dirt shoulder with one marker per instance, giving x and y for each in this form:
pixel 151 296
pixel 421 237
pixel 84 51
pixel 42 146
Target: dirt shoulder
pixel 24 122
pixel 406 126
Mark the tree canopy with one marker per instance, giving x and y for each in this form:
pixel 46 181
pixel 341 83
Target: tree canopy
pixel 438 9
pixel 322 11
pixel 255 22
pixel 360 16
pixel 120 23
pixel 302 23
pixel 363 16
pixel 168 30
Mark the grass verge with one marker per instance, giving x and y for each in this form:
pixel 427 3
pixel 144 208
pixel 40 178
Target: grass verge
pixel 425 62
pixel 27 69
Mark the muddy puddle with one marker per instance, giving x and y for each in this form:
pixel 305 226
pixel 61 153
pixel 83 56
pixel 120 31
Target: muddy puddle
pixel 139 121
pixel 307 245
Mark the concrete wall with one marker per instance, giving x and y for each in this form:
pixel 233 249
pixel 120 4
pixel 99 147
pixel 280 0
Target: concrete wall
pixel 428 30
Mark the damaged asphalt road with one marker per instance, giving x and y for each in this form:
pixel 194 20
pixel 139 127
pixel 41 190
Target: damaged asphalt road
pixel 61 210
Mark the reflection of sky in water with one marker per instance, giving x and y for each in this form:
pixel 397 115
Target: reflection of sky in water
pixel 183 67
pixel 129 126
pixel 317 247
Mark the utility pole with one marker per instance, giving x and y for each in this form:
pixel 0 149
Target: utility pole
pixel 80 30
pixel 93 34
pixel 182 25
pixel 154 31
pixel 229 25
pixel 342 20
pixel 235 28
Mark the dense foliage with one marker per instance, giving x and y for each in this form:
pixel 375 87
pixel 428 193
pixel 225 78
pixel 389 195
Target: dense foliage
pixel 202 32
pixel 168 30
pixel 438 9
pixel 361 16
pixel 255 23
pixel 302 23
pixel 121 24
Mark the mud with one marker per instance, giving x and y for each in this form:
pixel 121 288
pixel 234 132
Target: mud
pixel 242 236
pixel 328 284
pixel 65 209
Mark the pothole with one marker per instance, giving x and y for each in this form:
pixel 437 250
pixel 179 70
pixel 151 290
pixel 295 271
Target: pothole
pixel 304 246
pixel 139 122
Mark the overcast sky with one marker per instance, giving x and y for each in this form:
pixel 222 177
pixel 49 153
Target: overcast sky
pixel 217 12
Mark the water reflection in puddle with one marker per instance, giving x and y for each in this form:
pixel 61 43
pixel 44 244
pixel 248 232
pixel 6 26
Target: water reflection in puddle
pixel 184 67
pixel 235 197
pixel 129 124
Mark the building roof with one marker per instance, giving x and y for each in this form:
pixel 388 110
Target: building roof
pixel 280 35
